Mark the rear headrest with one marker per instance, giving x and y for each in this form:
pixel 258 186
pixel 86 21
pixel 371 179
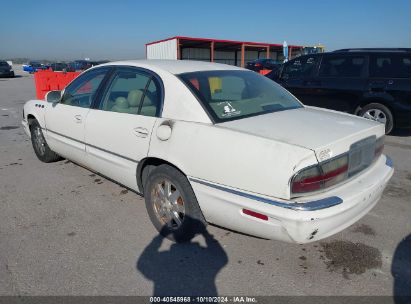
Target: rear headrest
pixel 134 98
pixel 121 102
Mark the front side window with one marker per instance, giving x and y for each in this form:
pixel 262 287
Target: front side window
pixel 340 66
pixel 231 95
pixel 390 66
pixel 81 91
pixel 133 92
pixel 300 67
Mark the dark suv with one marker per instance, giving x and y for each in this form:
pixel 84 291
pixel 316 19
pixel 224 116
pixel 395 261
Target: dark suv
pixel 372 83
pixel 5 69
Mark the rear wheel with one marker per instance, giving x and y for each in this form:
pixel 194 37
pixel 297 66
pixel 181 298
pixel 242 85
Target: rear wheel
pixel 172 205
pixel 40 146
pixel 380 113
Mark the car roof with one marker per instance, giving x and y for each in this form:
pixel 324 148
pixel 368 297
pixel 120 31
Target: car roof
pixel 374 50
pixel 175 66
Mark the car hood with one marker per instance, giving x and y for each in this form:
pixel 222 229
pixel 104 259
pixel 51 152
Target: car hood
pixel 327 133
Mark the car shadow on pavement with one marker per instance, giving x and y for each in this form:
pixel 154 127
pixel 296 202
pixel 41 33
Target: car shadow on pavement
pixel 401 271
pixel 185 269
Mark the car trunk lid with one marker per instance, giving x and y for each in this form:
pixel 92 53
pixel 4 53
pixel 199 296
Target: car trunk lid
pixel 327 133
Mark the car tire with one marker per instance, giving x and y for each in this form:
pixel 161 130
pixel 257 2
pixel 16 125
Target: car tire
pixel 380 113
pixel 40 146
pixel 171 204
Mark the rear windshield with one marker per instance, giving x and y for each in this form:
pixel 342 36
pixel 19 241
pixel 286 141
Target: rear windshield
pixel 3 63
pixel 231 95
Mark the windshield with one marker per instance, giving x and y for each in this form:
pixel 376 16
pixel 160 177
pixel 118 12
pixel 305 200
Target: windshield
pixel 231 95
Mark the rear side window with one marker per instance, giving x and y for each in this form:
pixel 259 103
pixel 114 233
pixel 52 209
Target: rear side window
pixel 300 67
pixel 390 66
pixel 132 92
pixel 339 66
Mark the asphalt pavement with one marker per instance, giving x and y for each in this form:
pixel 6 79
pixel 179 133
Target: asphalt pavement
pixel 67 231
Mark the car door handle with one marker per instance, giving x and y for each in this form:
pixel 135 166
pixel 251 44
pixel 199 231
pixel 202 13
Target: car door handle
pixel 140 132
pixel 78 118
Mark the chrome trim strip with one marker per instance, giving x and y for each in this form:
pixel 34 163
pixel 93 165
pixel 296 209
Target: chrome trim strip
pixel 389 162
pixel 98 148
pixel 308 206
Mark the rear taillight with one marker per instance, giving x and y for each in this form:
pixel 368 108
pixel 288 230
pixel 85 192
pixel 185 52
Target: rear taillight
pixel 331 172
pixel 258 65
pixel 321 176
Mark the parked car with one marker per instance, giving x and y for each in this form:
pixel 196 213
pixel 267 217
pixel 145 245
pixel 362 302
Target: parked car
pixel 81 65
pixel 59 67
pixel 94 63
pixel 263 64
pixel 34 66
pixel 215 143
pixel 6 70
pixel 372 83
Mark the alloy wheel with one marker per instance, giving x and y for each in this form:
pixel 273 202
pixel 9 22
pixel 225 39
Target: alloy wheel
pixel 168 203
pixel 376 115
pixel 39 140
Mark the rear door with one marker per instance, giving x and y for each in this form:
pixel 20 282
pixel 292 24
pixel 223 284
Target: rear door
pixel 341 82
pixel 297 76
pixel 119 127
pixel 390 79
pixel 65 120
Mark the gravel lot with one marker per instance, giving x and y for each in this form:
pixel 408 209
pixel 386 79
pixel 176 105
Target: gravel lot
pixel 67 231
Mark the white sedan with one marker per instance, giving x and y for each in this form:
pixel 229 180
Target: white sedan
pixel 207 142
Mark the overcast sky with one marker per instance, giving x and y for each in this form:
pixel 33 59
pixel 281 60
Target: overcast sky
pixel 63 30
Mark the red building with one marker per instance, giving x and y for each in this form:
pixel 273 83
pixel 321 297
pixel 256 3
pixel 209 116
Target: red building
pixel 216 50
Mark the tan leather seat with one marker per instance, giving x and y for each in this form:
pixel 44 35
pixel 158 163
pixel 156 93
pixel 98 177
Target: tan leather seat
pixel 121 105
pixel 134 98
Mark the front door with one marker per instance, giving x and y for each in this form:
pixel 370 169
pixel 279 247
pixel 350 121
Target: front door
pixel 298 76
pixel 65 120
pixel 341 82
pixel 118 130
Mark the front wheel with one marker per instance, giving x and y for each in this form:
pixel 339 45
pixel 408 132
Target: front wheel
pixel 172 205
pixel 380 113
pixel 40 146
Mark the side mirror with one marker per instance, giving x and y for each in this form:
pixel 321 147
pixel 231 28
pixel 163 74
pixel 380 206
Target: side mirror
pixel 53 96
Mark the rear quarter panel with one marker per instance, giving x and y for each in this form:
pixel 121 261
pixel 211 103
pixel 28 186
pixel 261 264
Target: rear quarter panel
pixel 231 158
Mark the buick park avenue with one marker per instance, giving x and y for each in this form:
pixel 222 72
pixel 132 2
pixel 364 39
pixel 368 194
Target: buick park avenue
pixel 213 143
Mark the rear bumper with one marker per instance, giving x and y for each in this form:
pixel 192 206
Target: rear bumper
pixel 7 74
pixel 357 198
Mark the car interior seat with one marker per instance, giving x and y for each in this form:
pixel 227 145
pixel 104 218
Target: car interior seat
pixel 121 105
pixel 134 98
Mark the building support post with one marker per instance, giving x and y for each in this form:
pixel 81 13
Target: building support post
pixel 212 51
pixel 242 55
pixel 290 49
pixel 268 52
pixel 178 49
